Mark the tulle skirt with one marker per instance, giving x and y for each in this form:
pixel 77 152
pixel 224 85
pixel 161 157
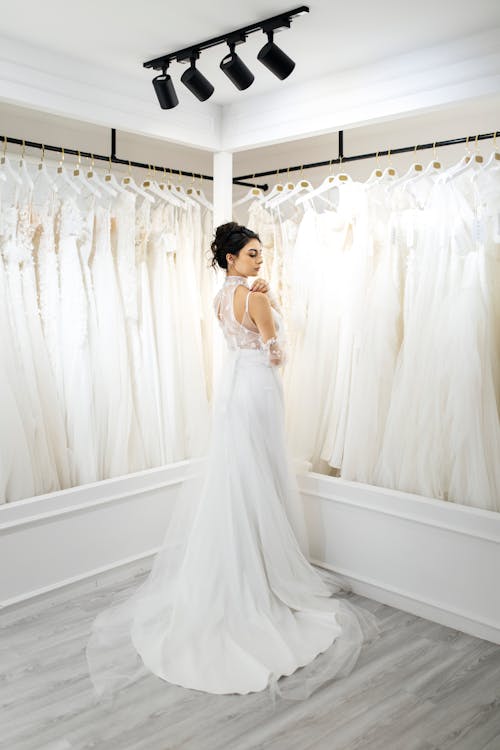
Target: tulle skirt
pixel 232 604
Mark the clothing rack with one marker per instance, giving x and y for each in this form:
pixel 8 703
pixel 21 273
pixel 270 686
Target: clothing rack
pixel 341 159
pixel 112 158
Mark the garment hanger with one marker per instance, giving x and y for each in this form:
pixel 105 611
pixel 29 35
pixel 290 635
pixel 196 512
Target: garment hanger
pixel 494 160
pixel 180 193
pixel 277 189
pixel 470 162
pixel 6 166
pixel 341 177
pixel 129 182
pixel 298 188
pixel 23 169
pixel 433 169
pixel 199 195
pixel 80 177
pixel 389 174
pixel 434 166
pixel 275 195
pixel 152 185
pixel 63 179
pixel 326 185
pixel 171 188
pixel 415 169
pixel 376 173
pixel 99 181
pixel 43 174
pixel 110 179
pixel 463 161
pixel 253 194
pixel 168 188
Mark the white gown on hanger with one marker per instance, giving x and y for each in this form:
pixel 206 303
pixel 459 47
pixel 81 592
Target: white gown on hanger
pixel 232 603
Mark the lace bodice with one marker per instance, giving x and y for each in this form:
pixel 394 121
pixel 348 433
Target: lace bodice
pixel 245 335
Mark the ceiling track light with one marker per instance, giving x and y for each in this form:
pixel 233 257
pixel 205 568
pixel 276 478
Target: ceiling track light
pixel 235 69
pixel 195 81
pixel 274 59
pixel 165 90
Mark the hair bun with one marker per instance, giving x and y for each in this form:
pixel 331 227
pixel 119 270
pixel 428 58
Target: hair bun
pixel 223 232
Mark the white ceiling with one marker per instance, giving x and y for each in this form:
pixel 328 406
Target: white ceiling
pixel 119 35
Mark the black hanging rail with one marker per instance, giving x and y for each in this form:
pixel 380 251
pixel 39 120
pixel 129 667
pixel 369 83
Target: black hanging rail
pixel 341 159
pixel 114 159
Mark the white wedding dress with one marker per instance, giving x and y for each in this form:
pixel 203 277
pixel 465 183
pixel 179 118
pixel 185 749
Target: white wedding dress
pixel 232 603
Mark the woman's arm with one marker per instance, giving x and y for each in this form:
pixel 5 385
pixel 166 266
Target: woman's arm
pixel 261 285
pixel 259 308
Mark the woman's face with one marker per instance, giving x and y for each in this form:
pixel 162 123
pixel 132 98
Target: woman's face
pixel 249 259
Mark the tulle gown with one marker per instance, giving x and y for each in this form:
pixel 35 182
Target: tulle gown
pixel 232 604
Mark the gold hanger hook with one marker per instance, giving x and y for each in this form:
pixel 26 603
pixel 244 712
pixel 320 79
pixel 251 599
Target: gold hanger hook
pixel 495 140
pixel 434 150
pixel 42 157
pixel 475 143
pixel 389 157
pixel 192 180
pixel 61 160
pixel 4 146
pixel 377 160
pixel 467 145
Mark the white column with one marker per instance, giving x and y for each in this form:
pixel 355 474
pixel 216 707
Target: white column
pixel 223 187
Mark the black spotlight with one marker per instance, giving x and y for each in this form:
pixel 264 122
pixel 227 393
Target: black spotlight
pixel 165 91
pixel 196 81
pixel 275 59
pixel 236 70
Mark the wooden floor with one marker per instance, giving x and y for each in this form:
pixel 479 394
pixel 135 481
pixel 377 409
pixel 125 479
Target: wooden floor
pixel 420 686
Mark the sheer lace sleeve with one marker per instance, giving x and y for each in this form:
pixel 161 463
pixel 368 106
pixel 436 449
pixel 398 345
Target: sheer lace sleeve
pixel 275 351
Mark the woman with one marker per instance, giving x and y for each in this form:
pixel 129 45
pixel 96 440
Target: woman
pixel 232 604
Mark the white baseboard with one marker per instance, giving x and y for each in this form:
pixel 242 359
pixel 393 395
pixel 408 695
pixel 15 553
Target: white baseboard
pixel 437 560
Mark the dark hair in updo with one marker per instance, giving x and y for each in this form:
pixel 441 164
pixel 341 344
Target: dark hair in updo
pixel 230 238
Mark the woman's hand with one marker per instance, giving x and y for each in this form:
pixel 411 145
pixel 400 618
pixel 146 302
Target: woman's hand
pixel 260 285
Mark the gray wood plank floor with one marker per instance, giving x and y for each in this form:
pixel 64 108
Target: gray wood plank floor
pixel 421 686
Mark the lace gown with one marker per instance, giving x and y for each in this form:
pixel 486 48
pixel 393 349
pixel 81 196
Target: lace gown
pixel 232 603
